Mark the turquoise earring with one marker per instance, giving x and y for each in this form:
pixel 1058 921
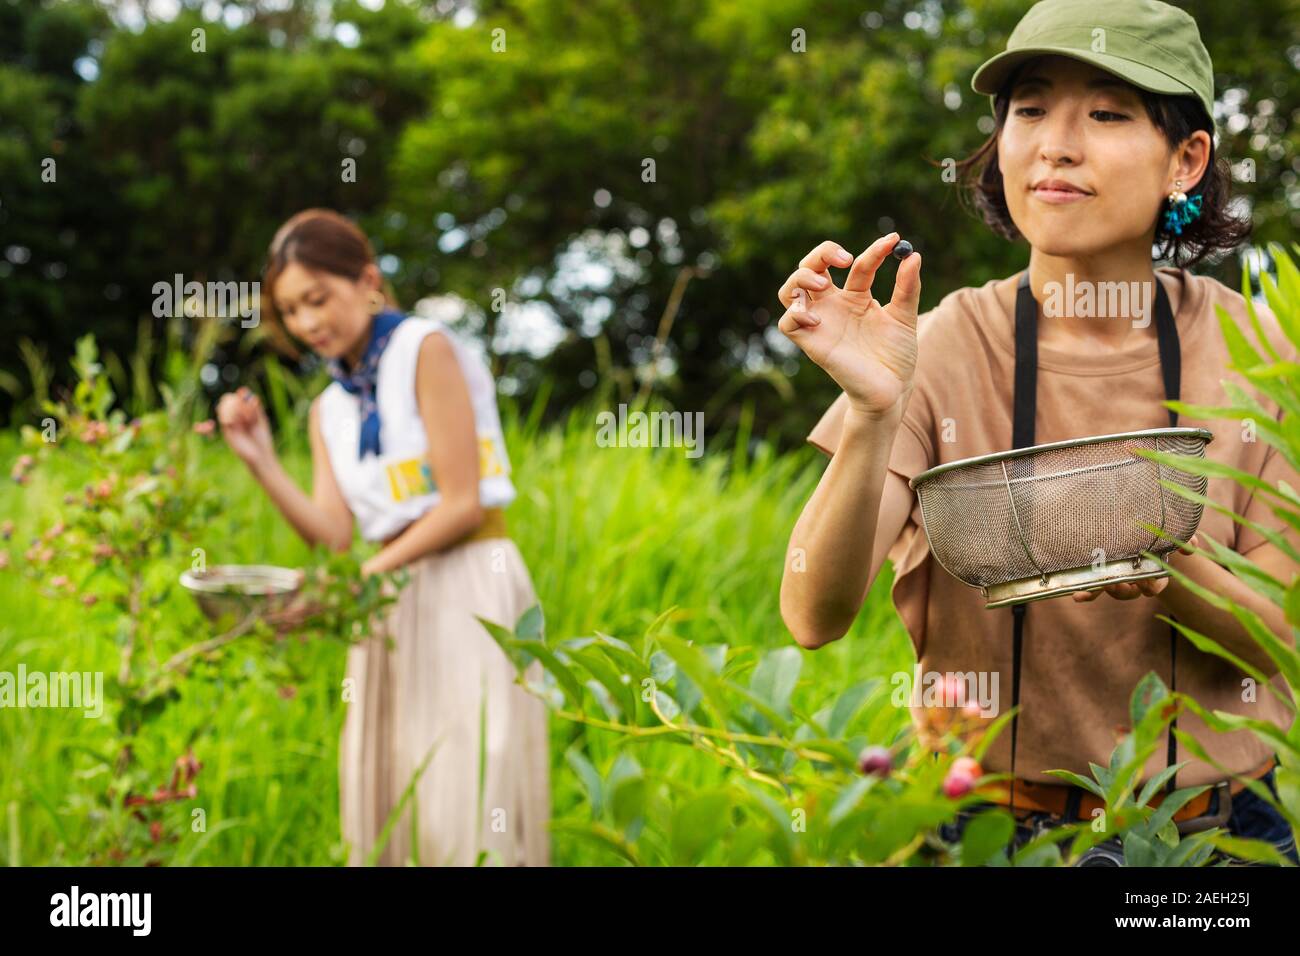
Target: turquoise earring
pixel 1182 210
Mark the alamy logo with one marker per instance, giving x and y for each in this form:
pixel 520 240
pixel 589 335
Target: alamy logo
pixel 1099 300
pixel 213 300
pixel 55 689
pixel 655 430
pixel 103 909
pixel 946 689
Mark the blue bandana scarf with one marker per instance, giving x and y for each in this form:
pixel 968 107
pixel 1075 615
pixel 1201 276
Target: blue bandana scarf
pixel 361 380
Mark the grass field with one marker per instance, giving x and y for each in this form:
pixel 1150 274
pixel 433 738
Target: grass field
pixel 612 536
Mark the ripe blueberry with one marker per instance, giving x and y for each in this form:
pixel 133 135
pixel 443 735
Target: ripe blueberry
pixel 902 249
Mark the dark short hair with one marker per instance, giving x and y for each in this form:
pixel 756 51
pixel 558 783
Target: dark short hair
pixel 1215 230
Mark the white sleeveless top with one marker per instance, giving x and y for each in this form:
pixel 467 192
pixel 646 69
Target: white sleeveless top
pixel 388 491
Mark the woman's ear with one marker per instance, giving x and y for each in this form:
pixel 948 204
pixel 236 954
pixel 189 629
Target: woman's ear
pixel 1193 159
pixel 371 278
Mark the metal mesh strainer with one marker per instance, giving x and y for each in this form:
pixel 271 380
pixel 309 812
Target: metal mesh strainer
pixel 1043 521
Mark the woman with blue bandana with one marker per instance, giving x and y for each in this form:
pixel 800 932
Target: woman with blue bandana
pixel 407 446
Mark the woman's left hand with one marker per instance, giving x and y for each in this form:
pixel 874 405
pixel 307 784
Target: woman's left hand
pixel 1129 590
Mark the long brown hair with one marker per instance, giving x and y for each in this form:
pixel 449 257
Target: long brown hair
pixel 321 240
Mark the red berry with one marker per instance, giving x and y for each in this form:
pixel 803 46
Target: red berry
pixel 954 689
pixel 968 765
pixel 875 761
pixel 89 600
pixel 957 784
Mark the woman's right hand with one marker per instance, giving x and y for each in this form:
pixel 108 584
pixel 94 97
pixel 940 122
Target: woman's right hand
pixel 245 427
pixel 869 349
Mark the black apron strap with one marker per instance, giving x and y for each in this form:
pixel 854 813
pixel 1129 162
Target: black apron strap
pixel 1024 411
pixel 1171 368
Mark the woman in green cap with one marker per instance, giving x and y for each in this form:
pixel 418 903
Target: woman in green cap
pixel 1103 161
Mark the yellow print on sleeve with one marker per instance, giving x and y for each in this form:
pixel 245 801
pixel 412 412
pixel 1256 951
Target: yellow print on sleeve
pixel 410 479
pixel 413 477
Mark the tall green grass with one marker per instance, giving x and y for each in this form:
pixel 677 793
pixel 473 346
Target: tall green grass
pixel 613 537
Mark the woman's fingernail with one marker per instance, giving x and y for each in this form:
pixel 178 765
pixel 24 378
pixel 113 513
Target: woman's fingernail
pixel 821 282
pixel 843 256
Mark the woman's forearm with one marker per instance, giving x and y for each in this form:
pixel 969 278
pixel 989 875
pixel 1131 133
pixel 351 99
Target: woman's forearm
pixel 828 564
pixel 1182 603
pixel 442 525
pixel 312 524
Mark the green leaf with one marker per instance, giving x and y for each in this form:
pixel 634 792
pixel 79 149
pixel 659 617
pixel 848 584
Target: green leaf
pixel 985 836
pixel 1138 850
pixel 775 677
pixel 590 780
pixel 1079 781
pixel 626 787
pixel 849 798
pixel 1243 354
pixel 848 704
pixel 1149 692
pixel 531 624
pixel 571 686
pixel 618 685
pixel 699 669
pixel 697 824
pixel 1158 781
pixel 1255 851
pixel 1171 804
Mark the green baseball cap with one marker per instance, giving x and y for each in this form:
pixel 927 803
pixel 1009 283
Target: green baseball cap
pixel 1150 44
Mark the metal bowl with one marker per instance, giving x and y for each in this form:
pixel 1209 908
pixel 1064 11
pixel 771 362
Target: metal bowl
pixel 1044 521
pixel 241 589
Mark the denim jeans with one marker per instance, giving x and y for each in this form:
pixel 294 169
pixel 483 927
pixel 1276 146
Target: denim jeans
pixel 1251 817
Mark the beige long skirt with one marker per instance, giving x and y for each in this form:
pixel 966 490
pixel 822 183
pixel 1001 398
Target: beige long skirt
pixel 446 687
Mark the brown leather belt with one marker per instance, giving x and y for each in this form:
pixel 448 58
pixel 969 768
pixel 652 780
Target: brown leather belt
pixel 1055 798
pixel 493 526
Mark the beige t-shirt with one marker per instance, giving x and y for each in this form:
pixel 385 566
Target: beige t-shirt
pixel 1080 661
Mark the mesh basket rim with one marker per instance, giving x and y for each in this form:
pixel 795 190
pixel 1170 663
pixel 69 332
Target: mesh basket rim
pixel 1179 432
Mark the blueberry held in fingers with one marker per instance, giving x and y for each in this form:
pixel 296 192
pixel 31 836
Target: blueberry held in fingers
pixel 902 249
